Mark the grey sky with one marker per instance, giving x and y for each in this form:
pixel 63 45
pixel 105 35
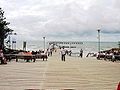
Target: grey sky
pixel 63 19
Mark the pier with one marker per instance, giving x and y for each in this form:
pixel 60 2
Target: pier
pixel 64 42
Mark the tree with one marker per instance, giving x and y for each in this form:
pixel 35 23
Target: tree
pixel 4 30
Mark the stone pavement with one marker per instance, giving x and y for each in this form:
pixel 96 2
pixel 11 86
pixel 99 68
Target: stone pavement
pixel 74 74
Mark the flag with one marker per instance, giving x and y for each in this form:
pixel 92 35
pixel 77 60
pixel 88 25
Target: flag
pixel 13 41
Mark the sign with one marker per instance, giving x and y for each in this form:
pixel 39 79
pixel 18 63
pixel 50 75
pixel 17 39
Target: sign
pixel 24 45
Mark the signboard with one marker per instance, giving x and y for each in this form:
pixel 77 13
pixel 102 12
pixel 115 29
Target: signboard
pixel 24 45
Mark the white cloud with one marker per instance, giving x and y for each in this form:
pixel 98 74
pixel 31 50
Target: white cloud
pixel 58 19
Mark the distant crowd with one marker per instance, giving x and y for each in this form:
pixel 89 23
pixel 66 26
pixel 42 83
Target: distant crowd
pixel 112 54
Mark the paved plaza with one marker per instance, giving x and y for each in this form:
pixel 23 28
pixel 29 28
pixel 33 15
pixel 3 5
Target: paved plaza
pixel 74 74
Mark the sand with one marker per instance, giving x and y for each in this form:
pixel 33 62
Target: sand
pixel 74 74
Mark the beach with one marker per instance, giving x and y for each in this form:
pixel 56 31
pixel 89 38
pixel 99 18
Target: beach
pixel 75 73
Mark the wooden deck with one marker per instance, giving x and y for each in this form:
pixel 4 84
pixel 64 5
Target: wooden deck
pixel 73 74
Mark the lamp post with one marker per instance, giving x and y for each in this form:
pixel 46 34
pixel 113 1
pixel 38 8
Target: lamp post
pixel 70 45
pixel 98 41
pixel 44 43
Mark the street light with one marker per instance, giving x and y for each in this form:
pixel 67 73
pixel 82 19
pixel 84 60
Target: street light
pixel 70 46
pixel 98 41
pixel 44 43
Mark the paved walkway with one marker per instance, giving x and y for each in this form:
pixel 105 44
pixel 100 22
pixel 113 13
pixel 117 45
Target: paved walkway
pixel 73 74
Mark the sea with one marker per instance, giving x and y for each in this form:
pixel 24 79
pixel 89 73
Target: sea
pixel 87 46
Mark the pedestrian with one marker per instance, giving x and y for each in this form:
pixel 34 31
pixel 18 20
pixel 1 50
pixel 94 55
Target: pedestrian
pixel 63 53
pixel 2 58
pixel 81 53
pixel 51 50
pixel 70 52
pixel 48 51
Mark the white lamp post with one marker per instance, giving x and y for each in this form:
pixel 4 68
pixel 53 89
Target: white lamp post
pixel 44 43
pixel 98 41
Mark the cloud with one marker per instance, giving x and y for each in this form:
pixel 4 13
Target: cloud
pixel 64 19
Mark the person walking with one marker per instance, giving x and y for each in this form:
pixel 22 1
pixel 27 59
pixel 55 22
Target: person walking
pixel 2 58
pixel 48 51
pixel 63 53
pixel 81 53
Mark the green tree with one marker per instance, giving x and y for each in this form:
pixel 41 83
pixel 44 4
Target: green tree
pixel 4 30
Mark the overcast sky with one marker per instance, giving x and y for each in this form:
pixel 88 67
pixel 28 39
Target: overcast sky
pixel 63 19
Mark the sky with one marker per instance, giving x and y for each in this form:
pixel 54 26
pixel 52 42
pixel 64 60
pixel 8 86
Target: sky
pixel 71 20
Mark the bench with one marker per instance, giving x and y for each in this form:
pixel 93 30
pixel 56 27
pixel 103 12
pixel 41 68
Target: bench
pixel 109 57
pixel 25 57
pixel 41 56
